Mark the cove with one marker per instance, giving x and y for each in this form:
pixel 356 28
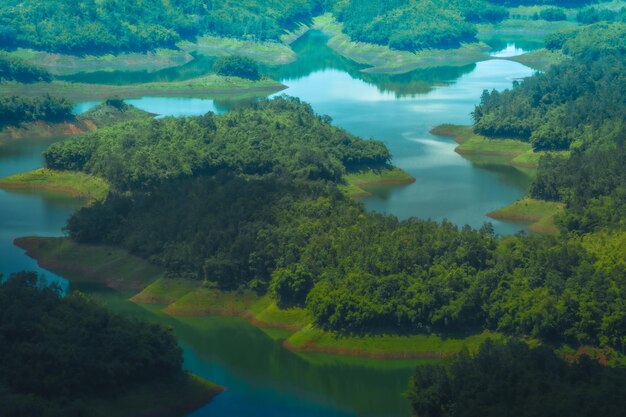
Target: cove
pixel 262 378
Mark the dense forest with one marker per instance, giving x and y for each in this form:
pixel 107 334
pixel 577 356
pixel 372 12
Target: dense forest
pixel 579 101
pixel 271 218
pixel 56 352
pixel 416 24
pixel 273 136
pixel 514 380
pixel 97 27
pixel 112 26
pixel 592 183
pixel 15 110
pixel 16 69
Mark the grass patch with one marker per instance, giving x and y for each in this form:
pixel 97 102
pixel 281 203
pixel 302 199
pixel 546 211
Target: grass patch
pixel 270 53
pixel 541 59
pixel 538 212
pixel 260 310
pixel 355 181
pixel 512 151
pixel 205 86
pixel 165 291
pixel 203 301
pixel 430 346
pixel 75 183
pixel 159 398
pixel 386 60
pixel 83 263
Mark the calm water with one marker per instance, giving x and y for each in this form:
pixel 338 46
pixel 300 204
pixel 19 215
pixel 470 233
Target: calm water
pixel 261 378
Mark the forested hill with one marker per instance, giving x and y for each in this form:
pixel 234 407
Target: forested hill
pixel 97 27
pixel 276 136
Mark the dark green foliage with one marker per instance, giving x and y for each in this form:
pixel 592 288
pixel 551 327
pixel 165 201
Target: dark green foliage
pixel 570 102
pixel 15 110
pixel 592 182
pixel 56 352
pixel 552 14
pixel 279 135
pixel 97 27
pixel 512 380
pixel 15 69
pixel 415 24
pixel 117 103
pixel 591 14
pixel 237 66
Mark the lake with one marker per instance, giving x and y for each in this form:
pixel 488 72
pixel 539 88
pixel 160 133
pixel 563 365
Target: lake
pixel 261 378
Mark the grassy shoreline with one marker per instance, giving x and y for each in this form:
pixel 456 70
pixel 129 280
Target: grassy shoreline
pixel 269 53
pixel 208 85
pixel 120 270
pixel 76 184
pixel 386 60
pixel 357 182
pixel 540 214
pixel 66 64
pixel 515 152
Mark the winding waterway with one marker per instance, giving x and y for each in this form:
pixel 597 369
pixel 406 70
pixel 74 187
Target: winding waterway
pixel 261 378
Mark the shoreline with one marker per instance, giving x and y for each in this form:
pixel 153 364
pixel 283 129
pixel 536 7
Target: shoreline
pixel 40 129
pixel 538 213
pixel 75 184
pixel 119 270
pixel 516 152
pixel 206 86
pixel 357 182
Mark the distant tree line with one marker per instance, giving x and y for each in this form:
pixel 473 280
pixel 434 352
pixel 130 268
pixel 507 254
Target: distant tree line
pixel 56 352
pixel 98 27
pixel 16 109
pixel 16 69
pixel 592 14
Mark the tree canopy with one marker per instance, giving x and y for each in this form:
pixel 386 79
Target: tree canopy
pixel 512 379
pixel 55 351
